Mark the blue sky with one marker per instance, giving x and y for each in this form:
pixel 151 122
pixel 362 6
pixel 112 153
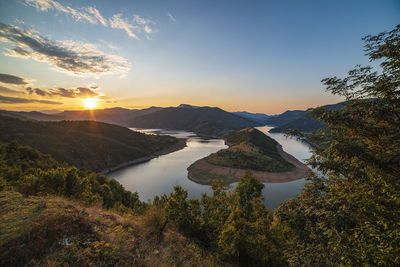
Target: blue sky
pixel 260 56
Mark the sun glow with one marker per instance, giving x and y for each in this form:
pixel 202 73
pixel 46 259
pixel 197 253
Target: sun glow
pixel 90 103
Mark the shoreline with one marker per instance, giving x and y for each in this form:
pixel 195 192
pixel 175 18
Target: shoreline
pixel 180 145
pixel 203 172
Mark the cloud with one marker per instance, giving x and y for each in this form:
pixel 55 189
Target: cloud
pixel 18 100
pixel 144 24
pixel 119 23
pixel 80 92
pixel 171 17
pixel 7 78
pixel 6 90
pixel 147 29
pixel 139 20
pixel 67 56
pixel 97 15
pixel 93 16
pixel 88 14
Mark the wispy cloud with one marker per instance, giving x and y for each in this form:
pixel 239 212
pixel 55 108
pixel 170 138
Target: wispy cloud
pixel 97 15
pixel 67 56
pixel 93 16
pixel 117 22
pixel 18 100
pixel 87 14
pixel 79 92
pixel 171 17
pixel 12 79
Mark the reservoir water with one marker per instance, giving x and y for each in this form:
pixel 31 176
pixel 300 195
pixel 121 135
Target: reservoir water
pixel 158 176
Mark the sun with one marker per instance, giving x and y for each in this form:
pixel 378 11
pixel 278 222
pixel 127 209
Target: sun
pixel 90 103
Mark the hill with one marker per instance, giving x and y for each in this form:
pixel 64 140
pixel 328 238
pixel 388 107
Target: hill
pixel 204 121
pixel 305 123
pixel 249 149
pixel 285 117
pixel 55 231
pixel 87 144
pixel 119 116
pixel 31 115
pixel 299 120
pixel 258 117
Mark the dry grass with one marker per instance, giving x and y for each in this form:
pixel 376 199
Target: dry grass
pixel 52 231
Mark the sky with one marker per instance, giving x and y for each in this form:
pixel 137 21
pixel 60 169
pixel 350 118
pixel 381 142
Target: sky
pixel 258 56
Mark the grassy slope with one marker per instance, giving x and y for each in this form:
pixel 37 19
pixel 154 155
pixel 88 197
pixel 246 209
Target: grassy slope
pixel 52 231
pixel 92 145
pixel 253 150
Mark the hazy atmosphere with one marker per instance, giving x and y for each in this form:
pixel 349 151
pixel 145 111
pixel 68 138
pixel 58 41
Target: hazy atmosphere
pixel 267 56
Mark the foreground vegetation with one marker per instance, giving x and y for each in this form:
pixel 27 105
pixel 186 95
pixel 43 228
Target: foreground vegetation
pixel 250 149
pixel 92 145
pixel 54 231
pixel 347 215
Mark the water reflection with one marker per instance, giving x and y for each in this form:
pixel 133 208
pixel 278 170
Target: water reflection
pixel 158 176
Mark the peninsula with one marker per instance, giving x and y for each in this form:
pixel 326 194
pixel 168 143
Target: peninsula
pixel 249 150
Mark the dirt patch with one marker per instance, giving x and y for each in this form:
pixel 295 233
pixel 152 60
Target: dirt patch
pixel 203 172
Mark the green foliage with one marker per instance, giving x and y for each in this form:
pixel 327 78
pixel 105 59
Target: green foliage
pixel 182 212
pixel 349 214
pixel 251 149
pixel 30 172
pixel 236 225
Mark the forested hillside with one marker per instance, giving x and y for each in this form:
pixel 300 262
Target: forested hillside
pixel 93 145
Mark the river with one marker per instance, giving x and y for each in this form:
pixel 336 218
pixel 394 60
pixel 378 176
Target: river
pixel 158 176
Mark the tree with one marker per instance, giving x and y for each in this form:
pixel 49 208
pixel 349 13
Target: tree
pixel 349 213
pixel 245 235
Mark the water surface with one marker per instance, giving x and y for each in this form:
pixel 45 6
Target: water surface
pixel 158 176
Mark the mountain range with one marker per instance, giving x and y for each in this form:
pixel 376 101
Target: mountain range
pixel 300 120
pixel 203 121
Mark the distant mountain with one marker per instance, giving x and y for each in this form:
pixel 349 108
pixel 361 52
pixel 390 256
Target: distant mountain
pixel 119 116
pixel 299 120
pixel 285 117
pixel 258 117
pixel 187 106
pixel 204 121
pixel 93 145
pixel 304 123
pixel 31 115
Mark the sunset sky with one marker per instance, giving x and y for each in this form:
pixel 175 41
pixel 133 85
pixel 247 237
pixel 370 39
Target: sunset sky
pixel 259 56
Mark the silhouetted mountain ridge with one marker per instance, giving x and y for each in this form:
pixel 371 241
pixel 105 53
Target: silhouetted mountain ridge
pixel 299 120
